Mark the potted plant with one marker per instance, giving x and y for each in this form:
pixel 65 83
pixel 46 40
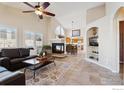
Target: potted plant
pixel 47 49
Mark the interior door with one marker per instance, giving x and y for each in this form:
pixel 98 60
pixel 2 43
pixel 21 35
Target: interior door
pixel 121 27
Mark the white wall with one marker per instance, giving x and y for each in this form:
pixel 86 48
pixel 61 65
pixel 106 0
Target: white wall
pixel 111 11
pixel 103 38
pixel 52 25
pixel 14 18
pixel 114 34
pixel 108 38
pixel 79 19
pixel 95 13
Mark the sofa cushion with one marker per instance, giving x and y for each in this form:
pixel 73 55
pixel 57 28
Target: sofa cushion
pixel 24 52
pixel 17 60
pixel 11 53
pixel 5 73
pixel 2 69
pixel 30 57
pixel 0 54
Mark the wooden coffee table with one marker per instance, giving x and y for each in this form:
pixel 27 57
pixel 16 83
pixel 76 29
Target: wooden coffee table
pixel 37 64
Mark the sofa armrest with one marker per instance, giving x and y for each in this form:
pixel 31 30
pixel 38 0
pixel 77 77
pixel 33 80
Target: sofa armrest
pixel 5 62
pixel 14 78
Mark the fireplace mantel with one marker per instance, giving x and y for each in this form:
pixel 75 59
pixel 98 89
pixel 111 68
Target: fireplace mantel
pixel 57 40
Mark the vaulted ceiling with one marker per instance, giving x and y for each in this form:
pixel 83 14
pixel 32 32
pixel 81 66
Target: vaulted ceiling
pixel 66 12
pixel 59 8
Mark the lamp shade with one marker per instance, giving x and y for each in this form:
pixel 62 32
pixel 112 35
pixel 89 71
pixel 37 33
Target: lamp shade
pixel 68 40
pixel 75 40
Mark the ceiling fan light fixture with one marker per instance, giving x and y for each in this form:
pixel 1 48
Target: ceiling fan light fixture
pixel 38 12
pixel 39 9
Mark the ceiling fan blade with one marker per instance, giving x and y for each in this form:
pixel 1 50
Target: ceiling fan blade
pixel 40 16
pixel 48 13
pixel 45 5
pixel 29 4
pixel 30 11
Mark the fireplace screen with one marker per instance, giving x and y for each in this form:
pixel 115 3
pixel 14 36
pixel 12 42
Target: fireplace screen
pixel 58 47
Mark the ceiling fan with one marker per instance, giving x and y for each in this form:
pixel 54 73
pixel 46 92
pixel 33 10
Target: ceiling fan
pixel 39 9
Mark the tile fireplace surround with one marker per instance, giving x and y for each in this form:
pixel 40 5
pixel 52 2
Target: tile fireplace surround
pixel 60 44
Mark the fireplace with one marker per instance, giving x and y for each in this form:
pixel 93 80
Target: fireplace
pixel 58 47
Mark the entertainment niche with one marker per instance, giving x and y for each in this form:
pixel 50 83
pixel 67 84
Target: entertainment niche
pixel 92 44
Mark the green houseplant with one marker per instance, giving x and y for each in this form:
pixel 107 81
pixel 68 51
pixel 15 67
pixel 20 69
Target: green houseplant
pixel 47 49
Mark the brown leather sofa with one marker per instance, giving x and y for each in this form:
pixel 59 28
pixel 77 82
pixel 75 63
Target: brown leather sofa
pixel 11 78
pixel 12 59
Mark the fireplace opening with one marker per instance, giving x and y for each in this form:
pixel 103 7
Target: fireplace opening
pixel 57 47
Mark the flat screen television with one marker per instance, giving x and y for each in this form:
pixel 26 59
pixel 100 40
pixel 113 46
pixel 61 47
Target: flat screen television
pixel 93 41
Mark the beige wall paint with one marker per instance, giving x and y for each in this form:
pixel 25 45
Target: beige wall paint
pixel 79 19
pixel 95 13
pixel 108 37
pixel 53 23
pixel 104 42
pixel 14 18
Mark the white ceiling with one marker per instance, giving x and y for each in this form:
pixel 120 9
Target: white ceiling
pixel 63 8
pixel 66 12
pixel 59 8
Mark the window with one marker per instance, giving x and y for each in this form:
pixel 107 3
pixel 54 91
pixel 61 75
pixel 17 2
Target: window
pixel 29 41
pixel 33 40
pixel 38 42
pixel 59 31
pixel 7 37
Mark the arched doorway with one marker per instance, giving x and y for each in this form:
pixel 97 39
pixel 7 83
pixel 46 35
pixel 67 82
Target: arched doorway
pixel 119 28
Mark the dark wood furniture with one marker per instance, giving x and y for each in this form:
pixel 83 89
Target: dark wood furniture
pixel 38 62
pixel 71 48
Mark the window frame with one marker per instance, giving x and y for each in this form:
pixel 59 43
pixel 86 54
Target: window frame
pixel 5 40
pixel 34 39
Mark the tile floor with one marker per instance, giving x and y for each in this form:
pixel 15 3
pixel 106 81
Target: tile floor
pixel 73 70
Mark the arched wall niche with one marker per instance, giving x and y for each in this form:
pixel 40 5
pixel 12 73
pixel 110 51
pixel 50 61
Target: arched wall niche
pixel 92 44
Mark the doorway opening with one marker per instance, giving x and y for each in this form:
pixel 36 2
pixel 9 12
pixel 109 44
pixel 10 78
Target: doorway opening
pixel 121 34
pixel 119 28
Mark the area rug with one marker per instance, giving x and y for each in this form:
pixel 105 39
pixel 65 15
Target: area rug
pixel 49 74
pixel 73 70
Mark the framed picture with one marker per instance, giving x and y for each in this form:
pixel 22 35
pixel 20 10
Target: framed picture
pixel 75 32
